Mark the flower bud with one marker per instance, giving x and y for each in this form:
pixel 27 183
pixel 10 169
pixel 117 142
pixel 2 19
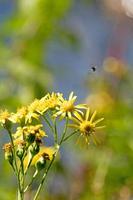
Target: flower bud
pixel 20 148
pixel 34 148
pixel 8 153
pixel 5 119
pixel 7 125
pixel 30 138
pixel 40 164
pixel 20 152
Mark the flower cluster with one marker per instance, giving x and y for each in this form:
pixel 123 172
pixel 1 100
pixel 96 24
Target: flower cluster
pixel 26 147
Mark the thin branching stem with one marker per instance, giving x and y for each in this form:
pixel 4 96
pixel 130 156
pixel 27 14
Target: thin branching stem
pixel 55 132
pixel 73 133
pixel 34 176
pixel 47 170
pixel 15 162
pixel 48 123
pixel 64 132
pixel 43 178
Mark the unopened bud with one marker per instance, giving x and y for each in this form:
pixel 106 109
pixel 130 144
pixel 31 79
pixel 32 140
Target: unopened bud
pixel 20 149
pixel 40 164
pixel 8 153
pixel 30 138
pixel 7 125
pixel 34 148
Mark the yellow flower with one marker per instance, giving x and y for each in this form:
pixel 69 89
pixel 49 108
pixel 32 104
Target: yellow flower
pixel 86 124
pixel 22 112
pixel 34 105
pixel 19 115
pixel 14 118
pixel 30 115
pixel 45 152
pixel 4 116
pixel 26 113
pixel 49 101
pixel 31 111
pixel 30 130
pixel 42 106
pixel 67 108
pixel 53 99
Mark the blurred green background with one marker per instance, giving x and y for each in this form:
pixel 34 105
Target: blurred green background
pixel 48 45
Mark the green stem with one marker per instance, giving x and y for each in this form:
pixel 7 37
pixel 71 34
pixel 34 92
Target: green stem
pixel 16 167
pixel 47 170
pixel 13 169
pixel 64 132
pixel 14 153
pixel 47 121
pixel 22 179
pixel 43 178
pixel 20 196
pixel 34 176
pixel 55 132
pixel 66 138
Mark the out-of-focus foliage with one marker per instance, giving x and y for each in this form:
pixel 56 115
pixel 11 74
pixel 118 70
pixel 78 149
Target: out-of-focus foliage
pixel 111 162
pixel 24 37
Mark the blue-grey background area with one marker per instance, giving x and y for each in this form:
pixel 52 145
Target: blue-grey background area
pixel 95 32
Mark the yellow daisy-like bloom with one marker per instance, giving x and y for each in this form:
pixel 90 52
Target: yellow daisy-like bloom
pixel 49 101
pixel 33 130
pixel 86 124
pixel 34 105
pixel 42 106
pixel 38 106
pixel 22 111
pixel 31 111
pixel 19 115
pixel 53 100
pixel 45 152
pixel 4 116
pixel 30 115
pixel 67 108
pixel 26 113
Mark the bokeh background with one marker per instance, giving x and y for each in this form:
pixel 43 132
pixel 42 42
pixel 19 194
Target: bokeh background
pixel 51 45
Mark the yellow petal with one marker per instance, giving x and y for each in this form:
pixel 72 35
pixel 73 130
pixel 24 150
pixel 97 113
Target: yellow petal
pixel 73 126
pixel 99 120
pixel 78 116
pixel 69 115
pixel 71 95
pixel 100 127
pixel 87 113
pixel 81 106
pixel 93 116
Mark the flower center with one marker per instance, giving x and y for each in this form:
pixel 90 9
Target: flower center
pixel 86 127
pixel 67 106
